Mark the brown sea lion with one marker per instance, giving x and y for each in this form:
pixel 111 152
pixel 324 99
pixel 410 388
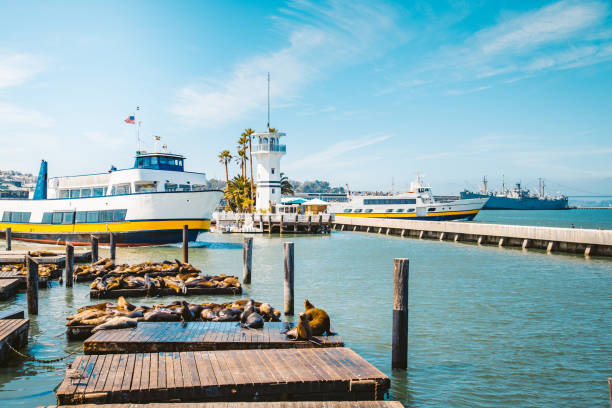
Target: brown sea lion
pixel 302 330
pixel 318 319
pixel 124 305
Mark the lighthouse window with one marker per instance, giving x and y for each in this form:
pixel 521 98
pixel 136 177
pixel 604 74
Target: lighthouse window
pixel 272 170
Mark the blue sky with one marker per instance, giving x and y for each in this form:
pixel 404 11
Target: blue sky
pixel 366 91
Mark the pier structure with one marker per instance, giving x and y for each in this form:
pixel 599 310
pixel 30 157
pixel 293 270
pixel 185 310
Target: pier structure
pixel 550 239
pixel 14 332
pixel 269 223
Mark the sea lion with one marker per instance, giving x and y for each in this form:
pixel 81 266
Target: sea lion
pixel 186 314
pixel 226 315
pixel 208 314
pixel 162 315
pixel 176 284
pixel 116 323
pixel 302 330
pixel 124 305
pixel 317 318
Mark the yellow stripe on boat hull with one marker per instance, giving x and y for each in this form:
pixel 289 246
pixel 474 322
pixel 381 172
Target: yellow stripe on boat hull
pixel 124 226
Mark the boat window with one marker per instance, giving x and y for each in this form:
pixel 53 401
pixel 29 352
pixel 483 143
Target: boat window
pixel 273 191
pixel 47 218
pixel 347 210
pixel 399 210
pixel 64 193
pixel 163 160
pixel 180 162
pixel 57 217
pixel 410 210
pixel 6 216
pixel 184 187
pixel 75 193
pixel 119 215
pixel 369 210
pixel 431 209
pixel 358 210
pixel 170 186
pixel 389 210
pixel 86 192
pixel 99 191
pixel 92 216
pixel 198 187
pixel 146 187
pixel 81 217
pixel 106 216
pixel 386 201
pixel 68 218
pixel 121 189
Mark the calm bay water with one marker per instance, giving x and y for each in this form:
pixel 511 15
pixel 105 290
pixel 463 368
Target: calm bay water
pixel 580 218
pixel 489 327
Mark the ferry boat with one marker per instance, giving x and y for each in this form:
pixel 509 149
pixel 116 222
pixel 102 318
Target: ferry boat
pixel 416 204
pixel 145 205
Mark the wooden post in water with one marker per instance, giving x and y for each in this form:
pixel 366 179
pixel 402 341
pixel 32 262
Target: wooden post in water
pixel 8 238
pixel 32 285
pixel 69 264
pixel 247 260
pixel 281 224
pixel 185 244
pixel 610 389
pixel 94 249
pixel 113 246
pixel 289 265
pixel 399 348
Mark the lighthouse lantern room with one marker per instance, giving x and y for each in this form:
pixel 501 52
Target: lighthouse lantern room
pixel 268 151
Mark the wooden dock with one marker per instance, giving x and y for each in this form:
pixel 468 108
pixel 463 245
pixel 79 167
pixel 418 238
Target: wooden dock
pixel 284 404
pixel 150 337
pixel 334 373
pixel 43 281
pixel 278 223
pixel 14 331
pixel 8 288
pixel 112 294
pixel 18 257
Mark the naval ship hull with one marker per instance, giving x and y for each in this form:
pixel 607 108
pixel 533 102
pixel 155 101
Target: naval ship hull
pixel 525 203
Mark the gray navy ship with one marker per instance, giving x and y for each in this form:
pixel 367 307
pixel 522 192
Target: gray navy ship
pixel 518 198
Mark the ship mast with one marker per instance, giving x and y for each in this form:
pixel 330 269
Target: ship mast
pixel 484 185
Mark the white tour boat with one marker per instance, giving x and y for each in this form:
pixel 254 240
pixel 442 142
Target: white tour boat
pixel 417 204
pixel 145 205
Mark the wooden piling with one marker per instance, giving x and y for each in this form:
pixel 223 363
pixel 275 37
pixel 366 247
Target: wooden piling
pixel 8 238
pixel 69 264
pixel 185 244
pixel 113 246
pixel 525 244
pixel 442 236
pixel 399 352
pixel 610 389
pixel 247 259
pixel 94 249
pixel 587 252
pixel 456 238
pixel 295 226
pixel 281 225
pixel 32 285
pixel 501 242
pixel 550 246
pixel 289 268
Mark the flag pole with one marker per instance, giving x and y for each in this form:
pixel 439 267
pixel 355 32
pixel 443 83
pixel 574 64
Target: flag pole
pixel 138 127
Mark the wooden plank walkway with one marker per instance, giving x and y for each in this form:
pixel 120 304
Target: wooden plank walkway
pixel 43 281
pixel 323 374
pixel 8 287
pixel 14 332
pixel 111 294
pixel 18 257
pixel 150 337
pixel 284 404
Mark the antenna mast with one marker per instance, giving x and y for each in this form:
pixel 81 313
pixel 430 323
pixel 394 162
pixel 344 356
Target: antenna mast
pixel 268 102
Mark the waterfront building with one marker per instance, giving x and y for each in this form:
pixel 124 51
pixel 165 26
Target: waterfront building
pixel 268 151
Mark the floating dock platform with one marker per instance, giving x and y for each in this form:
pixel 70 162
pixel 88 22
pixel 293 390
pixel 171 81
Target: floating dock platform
pixel 149 337
pixel 284 404
pixel 18 257
pixel 14 331
pixel 8 288
pixel 43 281
pixel 269 223
pixel 550 239
pixel 115 293
pixel 334 373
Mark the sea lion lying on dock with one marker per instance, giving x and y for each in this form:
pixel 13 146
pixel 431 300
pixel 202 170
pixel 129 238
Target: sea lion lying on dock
pixel 116 323
pixel 106 266
pixel 250 319
pixel 317 318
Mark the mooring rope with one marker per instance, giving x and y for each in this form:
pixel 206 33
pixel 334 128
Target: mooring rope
pixel 38 360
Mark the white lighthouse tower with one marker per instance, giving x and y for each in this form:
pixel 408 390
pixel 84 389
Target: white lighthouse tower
pixel 268 151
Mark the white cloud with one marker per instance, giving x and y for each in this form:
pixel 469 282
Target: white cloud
pixel 320 38
pixel 14 115
pixel 103 139
pixel 18 68
pixel 327 156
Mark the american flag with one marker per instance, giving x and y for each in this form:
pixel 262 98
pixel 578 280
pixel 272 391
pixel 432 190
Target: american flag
pixel 130 119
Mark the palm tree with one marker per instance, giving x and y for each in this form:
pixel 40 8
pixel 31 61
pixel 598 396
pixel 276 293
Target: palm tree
pixel 237 195
pixel 247 133
pixel 225 157
pixel 286 187
pixel 242 147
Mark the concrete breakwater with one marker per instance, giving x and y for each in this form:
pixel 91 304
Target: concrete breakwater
pixel 570 240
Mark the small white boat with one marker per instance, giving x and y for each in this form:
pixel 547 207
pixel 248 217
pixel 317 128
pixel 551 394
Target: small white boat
pixel 416 204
